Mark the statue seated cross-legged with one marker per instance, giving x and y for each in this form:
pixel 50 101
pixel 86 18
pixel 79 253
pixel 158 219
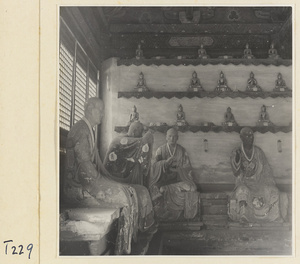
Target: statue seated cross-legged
pixel 173 191
pixel 255 197
pixel 87 183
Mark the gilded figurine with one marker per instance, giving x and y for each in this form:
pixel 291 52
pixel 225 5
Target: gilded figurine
pixel 273 52
pixel 202 52
pixel 141 85
pixel 195 84
pixel 139 53
pixel 264 119
pixel 280 85
pixel 222 84
pixel 134 116
pixel 248 53
pixel 229 118
pixel 181 117
pixel 252 84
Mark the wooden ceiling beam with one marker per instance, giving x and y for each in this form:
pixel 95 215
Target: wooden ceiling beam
pixel 233 28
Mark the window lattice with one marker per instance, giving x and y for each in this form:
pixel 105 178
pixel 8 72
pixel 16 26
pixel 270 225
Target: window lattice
pixel 65 87
pixel 80 93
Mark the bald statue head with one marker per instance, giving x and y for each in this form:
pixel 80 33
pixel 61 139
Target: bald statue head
pixel 94 110
pixel 172 136
pixel 135 129
pixel 247 137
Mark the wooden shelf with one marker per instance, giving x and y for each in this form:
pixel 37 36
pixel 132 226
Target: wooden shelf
pixel 198 61
pixel 203 94
pixel 213 128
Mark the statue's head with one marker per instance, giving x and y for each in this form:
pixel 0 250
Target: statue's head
pixel 263 108
pixel 134 108
pixel 135 129
pixel 247 137
pixel 221 74
pixel 251 74
pixel 139 46
pixel 201 46
pixel 272 45
pixel 172 136
pixel 141 75
pixel 194 74
pixel 247 46
pixel 180 108
pixel 94 110
pixel 228 109
pixel 279 76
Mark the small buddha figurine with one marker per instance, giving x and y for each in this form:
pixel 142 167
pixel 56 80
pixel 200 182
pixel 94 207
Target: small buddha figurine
pixel 248 53
pixel 202 52
pixel 273 52
pixel 264 119
pixel 280 84
pixel 134 116
pixel 195 84
pixel 139 52
pixel 229 118
pixel 141 85
pixel 252 84
pixel 222 84
pixel 181 117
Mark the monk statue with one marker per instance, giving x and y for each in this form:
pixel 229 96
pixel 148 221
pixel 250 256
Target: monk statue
pixel 171 184
pixel 141 85
pixel 248 53
pixel 202 52
pixel 195 84
pixel 139 53
pixel 255 197
pixel 229 118
pixel 222 84
pixel 252 84
pixel 181 117
pixel 280 85
pixel 264 119
pixel 87 183
pixel 134 116
pixel 273 52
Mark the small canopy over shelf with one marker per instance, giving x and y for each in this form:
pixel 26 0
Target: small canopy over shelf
pixel 203 94
pixel 213 128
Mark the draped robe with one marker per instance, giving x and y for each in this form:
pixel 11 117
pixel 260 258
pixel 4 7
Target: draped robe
pixel 255 185
pixel 179 188
pixel 84 186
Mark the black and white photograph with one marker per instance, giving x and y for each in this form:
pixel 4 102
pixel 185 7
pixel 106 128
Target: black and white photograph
pixel 176 130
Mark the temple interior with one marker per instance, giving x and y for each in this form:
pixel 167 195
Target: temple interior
pixel 183 67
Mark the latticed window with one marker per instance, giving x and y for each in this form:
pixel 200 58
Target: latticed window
pixel 78 79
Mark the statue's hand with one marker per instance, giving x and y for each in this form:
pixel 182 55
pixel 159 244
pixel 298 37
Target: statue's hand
pixel 169 161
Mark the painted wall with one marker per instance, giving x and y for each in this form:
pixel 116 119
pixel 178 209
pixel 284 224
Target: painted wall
pixel 211 166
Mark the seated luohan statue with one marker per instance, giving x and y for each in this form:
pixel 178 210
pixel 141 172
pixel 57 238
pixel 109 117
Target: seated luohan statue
pixel 171 184
pixel 252 85
pixel 264 119
pixel 248 53
pixel 280 85
pixel 229 118
pixel 141 85
pixel 222 84
pixel 88 184
pixel 255 197
pixel 181 117
pixel 195 84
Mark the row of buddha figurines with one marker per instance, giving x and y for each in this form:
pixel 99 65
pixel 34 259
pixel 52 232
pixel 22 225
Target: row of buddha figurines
pixel 229 119
pixel 222 86
pixel 202 54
